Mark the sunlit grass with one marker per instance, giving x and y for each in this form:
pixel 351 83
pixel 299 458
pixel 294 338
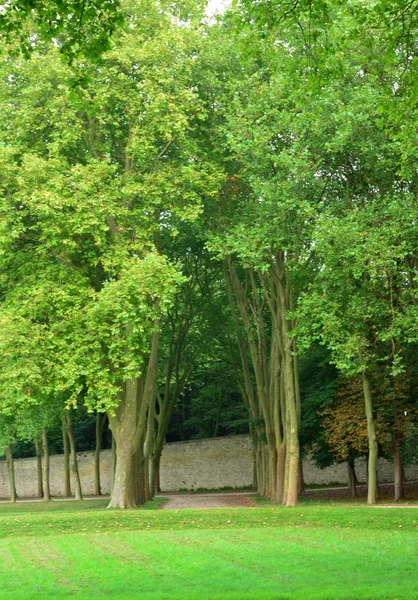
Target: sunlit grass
pixel 83 550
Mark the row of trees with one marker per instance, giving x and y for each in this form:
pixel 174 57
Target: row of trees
pixel 243 188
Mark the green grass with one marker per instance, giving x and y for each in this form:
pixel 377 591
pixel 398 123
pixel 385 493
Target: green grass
pixel 83 551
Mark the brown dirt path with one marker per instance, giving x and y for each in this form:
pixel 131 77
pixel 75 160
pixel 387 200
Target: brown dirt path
pixel 191 501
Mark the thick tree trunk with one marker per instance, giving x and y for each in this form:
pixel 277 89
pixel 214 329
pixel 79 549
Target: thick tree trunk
pixel 399 487
pixel 66 445
pixel 351 477
pixel 100 421
pixel 371 433
pixel 74 461
pixel 11 470
pixel 124 492
pixel 124 427
pixel 38 450
pixel 45 470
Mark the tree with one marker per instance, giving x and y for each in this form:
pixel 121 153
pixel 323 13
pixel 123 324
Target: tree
pixel 75 26
pixel 94 192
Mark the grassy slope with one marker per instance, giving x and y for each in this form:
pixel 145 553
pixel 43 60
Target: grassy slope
pixel 80 550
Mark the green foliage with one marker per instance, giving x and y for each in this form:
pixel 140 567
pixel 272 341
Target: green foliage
pixel 75 26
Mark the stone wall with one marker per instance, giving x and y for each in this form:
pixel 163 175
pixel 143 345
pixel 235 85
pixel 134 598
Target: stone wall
pixel 209 463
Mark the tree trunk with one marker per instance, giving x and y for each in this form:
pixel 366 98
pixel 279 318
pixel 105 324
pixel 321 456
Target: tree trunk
pixel 371 433
pixel 38 450
pixel 65 443
pixel 292 434
pixel 148 449
pixel 100 421
pixel 301 480
pixel 74 461
pixel 124 492
pixel 351 476
pixel 11 470
pixel 291 390
pixel 124 427
pixel 113 466
pixel 45 470
pixel 399 488
pixel 281 469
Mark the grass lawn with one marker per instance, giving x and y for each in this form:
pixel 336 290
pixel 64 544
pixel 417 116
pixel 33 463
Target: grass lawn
pixel 81 550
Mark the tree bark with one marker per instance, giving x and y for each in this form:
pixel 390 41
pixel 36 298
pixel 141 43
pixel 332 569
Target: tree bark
pixel 45 470
pixel 292 434
pixel 124 427
pixel 100 422
pixel 371 433
pixel 38 450
pixel 65 443
pixel 11 469
pixel 301 480
pixel 351 476
pixel 74 461
pixel 397 463
pixel 113 466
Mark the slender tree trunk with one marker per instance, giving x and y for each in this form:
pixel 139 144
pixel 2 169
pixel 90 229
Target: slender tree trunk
pixel 301 479
pixel 74 461
pixel 146 407
pixel 100 421
pixel 148 449
pixel 45 470
pixel 66 445
pixel 113 466
pixel 38 450
pixel 11 469
pixel 281 470
pixel 291 390
pixel 399 487
pixel 371 432
pixel 351 476
pixel 292 435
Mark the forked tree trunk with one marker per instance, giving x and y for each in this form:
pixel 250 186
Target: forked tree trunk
pixel 11 471
pixel 371 433
pixel 38 450
pixel 351 477
pixel 45 470
pixel 66 445
pixel 74 461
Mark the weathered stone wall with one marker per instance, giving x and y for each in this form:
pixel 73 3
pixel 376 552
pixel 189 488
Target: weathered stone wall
pixel 209 463
pixel 27 482
pixel 338 473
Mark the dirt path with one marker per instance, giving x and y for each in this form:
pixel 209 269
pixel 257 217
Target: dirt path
pixel 236 500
